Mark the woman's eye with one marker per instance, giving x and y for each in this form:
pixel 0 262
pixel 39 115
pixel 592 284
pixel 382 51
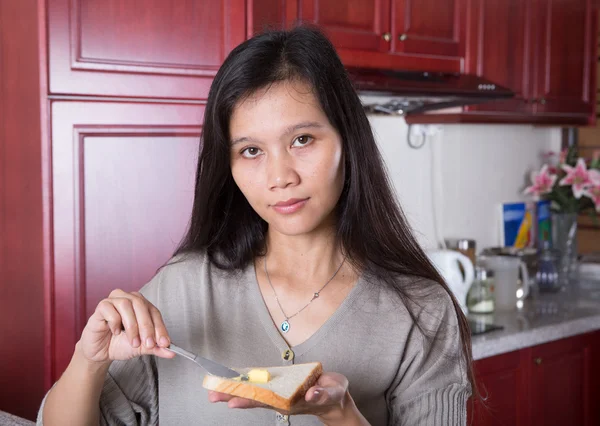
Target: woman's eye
pixel 302 140
pixel 250 152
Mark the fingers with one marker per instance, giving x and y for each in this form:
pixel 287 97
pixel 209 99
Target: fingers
pixel 145 325
pixel 141 320
pixel 234 401
pixel 160 330
pixel 128 318
pixel 325 396
pixel 329 395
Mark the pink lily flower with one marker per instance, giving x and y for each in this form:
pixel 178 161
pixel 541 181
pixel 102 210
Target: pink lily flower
pixel 594 176
pixel 542 183
pixel 593 192
pixel 579 177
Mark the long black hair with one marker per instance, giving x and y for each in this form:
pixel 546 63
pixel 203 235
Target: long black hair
pixel 371 228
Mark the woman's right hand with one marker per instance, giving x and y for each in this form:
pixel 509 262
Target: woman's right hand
pixel 103 339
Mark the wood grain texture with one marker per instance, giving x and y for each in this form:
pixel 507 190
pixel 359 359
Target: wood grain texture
pixel 123 183
pixel 427 27
pixel 556 383
pixel 24 207
pixel 150 49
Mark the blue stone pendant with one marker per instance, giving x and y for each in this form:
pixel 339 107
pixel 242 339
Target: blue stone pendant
pixel 285 326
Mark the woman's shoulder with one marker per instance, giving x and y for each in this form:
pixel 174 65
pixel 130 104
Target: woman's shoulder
pixel 185 270
pixel 424 297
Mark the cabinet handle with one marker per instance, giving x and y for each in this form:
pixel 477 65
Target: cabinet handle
pixel 543 101
pixel 387 36
pixel 537 361
pixel 534 101
pixel 402 37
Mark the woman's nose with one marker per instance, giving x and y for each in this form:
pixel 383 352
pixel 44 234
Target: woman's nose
pixel 281 172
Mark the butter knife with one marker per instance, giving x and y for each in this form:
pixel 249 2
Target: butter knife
pixel 213 368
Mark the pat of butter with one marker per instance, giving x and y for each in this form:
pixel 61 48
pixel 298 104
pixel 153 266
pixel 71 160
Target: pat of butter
pixel 258 376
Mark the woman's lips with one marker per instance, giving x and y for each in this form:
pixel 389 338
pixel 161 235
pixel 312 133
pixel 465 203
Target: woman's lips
pixel 290 206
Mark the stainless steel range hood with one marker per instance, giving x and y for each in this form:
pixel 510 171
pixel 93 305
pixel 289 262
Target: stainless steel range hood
pixel 415 92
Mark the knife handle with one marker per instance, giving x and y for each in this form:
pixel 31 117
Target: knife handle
pixel 182 352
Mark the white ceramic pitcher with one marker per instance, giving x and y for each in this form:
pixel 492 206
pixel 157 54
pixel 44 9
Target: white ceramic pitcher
pixel 506 282
pixel 447 263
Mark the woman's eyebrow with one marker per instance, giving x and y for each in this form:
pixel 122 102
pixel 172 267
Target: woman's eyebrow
pixel 302 125
pixel 287 131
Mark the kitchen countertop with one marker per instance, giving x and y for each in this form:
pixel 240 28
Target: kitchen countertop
pixel 545 317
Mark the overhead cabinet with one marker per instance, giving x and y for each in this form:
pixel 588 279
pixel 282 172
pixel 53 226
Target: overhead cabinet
pixel 543 50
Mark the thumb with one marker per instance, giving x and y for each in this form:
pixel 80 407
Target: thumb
pixel 325 395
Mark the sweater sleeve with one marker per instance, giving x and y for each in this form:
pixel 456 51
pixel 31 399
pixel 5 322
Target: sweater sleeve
pixel 130 391
pixel 431 387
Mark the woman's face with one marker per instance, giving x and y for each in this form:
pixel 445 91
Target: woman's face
pixel 286 158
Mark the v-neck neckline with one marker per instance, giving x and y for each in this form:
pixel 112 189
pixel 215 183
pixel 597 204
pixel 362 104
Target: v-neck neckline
pixel 273 331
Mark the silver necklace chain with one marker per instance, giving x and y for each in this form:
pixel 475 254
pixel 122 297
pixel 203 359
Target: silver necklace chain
pixel 285 325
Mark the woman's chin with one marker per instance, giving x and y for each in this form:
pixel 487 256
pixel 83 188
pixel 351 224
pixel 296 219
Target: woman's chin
pixel 294 228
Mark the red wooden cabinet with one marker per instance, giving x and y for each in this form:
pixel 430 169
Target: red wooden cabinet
pixel 498 48
pixel 356 24
pixel 544 50
pixel 565 49
pixel 560 382
pixel 145 49
pixel 551 384
pixel 393 34
pixel 123 184
pixel 427 27
pixel 500 380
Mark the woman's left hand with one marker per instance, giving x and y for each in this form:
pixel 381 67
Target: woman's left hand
pixel 328 399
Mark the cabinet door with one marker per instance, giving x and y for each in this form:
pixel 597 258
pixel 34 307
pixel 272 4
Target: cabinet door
pixel 561 382
pixel 123 183
pixel 427 27
pixel 497 50
pixel 352 24
pixel 153 48
pixel 566 49
pixel 502 382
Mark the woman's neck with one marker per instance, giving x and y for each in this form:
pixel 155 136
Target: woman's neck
pixel 304 258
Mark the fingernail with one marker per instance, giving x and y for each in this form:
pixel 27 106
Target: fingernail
pixel 136 342
pixel 316 395
pixel 149 342
pixel 164 342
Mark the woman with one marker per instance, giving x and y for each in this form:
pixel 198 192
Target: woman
pixel 296 252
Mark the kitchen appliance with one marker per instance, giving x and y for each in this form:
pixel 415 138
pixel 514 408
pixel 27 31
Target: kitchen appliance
pixel 449 264
pixel 416 92
pixel 464 245
pixel 508 292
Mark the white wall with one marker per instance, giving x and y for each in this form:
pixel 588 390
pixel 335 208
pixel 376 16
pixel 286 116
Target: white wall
pixel 480 166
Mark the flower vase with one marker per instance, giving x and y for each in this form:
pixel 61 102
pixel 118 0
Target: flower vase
pixel 564 240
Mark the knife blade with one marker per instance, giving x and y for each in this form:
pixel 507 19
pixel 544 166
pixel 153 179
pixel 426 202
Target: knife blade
pixel 213 368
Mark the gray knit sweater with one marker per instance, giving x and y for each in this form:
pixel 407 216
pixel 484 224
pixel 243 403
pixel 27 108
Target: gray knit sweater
pixel 396 375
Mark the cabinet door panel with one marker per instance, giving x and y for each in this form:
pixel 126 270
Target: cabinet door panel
pixel 501 381
pixel 503 60
pixel 123 180
pixel 143 49
pixel 566 49
pixel 560 380
pixel 428 27
pixel 352 24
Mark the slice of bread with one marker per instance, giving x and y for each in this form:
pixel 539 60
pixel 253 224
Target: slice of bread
pixel 287 385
